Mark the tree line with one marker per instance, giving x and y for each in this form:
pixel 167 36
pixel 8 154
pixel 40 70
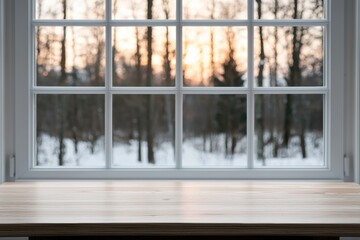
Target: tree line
pixel 149 119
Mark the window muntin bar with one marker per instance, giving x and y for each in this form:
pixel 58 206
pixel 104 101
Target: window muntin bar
pixel 179 91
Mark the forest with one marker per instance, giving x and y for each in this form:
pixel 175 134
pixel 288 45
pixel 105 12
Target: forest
pixel 288 128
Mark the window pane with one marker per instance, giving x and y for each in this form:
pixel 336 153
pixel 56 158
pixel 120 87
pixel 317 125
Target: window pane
pixel 290 56
pixel 214 9
pixel 289 131
pixel 139 9
pixel 70 131
pixel 70 9
pixel 214 56
pixel 70 56
pixel 214 131
pixel 285 9
pixel 143 131
pixel 135 65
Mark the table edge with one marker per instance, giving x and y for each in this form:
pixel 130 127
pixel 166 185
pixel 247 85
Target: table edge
pixel 178 229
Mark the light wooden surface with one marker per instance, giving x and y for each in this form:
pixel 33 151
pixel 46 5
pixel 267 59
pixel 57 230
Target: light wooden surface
pixel 179 208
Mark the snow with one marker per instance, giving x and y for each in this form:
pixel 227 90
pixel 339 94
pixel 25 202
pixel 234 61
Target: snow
pixel 292 157
pixel 49 149
pixel 193 155
pixel 126 155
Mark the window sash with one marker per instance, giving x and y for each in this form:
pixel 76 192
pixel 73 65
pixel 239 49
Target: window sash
pixel 357 98
pixel 332 169
pixel 2 62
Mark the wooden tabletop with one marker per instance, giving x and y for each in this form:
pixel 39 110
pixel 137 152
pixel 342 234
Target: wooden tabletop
pixel 179 208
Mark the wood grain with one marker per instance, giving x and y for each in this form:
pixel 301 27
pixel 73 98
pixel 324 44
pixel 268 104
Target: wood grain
pixel 179 208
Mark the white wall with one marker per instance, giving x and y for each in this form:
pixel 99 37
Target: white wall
pixel 2 162
pixel 9 132
pixel 349 146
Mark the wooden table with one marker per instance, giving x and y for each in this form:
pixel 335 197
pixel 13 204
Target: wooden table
pixel 175 209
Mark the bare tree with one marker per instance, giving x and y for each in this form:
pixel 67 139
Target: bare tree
pixel 62 104
pixel 212 44
pixel 75 107
pixel 114 46
pixel 260 98
pixel 139 81
pixel 168 78
pixel 149 75
pixel 274 82
pixel 98 34
pixel 295 79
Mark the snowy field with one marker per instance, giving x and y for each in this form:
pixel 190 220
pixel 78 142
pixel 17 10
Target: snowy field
pixel 126 155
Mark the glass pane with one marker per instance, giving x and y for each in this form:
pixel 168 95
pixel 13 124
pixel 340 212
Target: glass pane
pixel 214 9
pixel 214 131
pixel 289 56
pixel 70 9
pixel 289 9
pixel 70 56
pixel 214 56
pixel 143 131
pixel 289 131
pixel 70 131
pixel 135 65
pixel 140 9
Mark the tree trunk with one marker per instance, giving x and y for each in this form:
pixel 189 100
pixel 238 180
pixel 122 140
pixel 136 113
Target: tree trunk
pixel 139 83
pixel 62 106
pixel 75 109
pixel 295 75
pixel 63 48
pixel 61 117
pixel 233 143
pixel 114 52
pixel 100 49
pixel 287 121
pixel 149 112
pixel 212 43
pixel 139 128
pixel 275 130
pixel 260 102
pixel 302 138
pixel 167 66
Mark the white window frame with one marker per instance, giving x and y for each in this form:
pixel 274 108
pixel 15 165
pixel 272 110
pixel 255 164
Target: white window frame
pixel 357 96
pixel 2 40
pixel 333 90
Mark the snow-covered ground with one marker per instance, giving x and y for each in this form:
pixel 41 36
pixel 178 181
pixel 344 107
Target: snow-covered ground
pixel 193 155
pixel 48 152
pixel 126 155
pixel 292 157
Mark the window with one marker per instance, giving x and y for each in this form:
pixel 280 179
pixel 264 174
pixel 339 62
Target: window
pixel 179 89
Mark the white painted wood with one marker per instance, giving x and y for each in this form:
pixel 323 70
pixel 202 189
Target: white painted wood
pixel 335 73
pixel 179 86
pixel 108 94
pixel 357 102
pixel 23 141
pixel 250 97
pixel 2 40
pixel 333 92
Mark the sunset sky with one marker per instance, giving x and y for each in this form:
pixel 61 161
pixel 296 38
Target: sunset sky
pixel 82 42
